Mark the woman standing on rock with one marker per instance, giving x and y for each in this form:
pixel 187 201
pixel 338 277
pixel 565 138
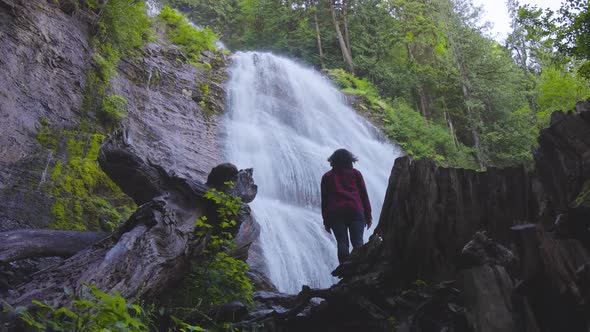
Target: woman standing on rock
pixel 345 203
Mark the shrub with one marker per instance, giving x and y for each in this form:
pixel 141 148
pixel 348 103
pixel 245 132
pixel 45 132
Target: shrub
pixel 191 39
pixel 113 109
pixel 98 311
pixel 221 278
pixel 405 126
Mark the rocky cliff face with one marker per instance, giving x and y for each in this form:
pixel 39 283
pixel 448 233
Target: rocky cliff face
pixel 43 57
pixel 166 118
pixel 50 141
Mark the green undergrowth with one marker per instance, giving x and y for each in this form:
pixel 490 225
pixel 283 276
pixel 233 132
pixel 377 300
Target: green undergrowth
pixel 418 137
pixel 93 311
pixel 97 311
pixel 83 196
pixel 215 277
pixel 191 40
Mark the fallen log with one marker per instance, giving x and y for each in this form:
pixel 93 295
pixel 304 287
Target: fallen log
pixel 146 255
pixel 35 243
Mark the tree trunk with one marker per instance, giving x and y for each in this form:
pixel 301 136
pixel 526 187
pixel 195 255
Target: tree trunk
pixel 466 95
pixel 317 31
pixel 345 54
pixel 345 21
pixel 35 243
pixel 422 99
pixel 451 129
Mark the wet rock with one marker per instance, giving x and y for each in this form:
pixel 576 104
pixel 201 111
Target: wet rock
pixel 261 281
pixel 486 285
pixel 221 174
pixel 551 283
pixel 45 56
pixel 482 250
pixel 487 291
pixel 562 159
pixel 231 312
pixel 167 125
pixel 242 181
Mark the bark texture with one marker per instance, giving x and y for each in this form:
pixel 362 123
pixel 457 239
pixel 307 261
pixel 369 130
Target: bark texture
pixel 34 243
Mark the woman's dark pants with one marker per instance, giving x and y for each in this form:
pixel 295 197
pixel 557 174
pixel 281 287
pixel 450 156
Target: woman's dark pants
pixel 341 230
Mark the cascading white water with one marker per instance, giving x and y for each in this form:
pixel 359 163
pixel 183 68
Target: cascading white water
pixel 284 121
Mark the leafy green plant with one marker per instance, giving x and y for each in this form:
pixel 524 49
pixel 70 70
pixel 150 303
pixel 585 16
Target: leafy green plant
pixel 97 311
pixel 191 40
pixel 218 278
pixel 113 109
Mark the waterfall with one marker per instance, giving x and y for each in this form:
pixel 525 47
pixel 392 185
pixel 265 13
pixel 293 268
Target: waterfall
pixel 284 120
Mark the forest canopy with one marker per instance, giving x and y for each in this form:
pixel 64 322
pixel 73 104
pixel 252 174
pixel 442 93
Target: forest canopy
pixel 435 57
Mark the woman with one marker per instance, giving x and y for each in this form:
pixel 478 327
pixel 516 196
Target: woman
pixel 345 203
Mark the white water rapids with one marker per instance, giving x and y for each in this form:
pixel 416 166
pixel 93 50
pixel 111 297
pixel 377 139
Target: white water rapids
pixel 284 121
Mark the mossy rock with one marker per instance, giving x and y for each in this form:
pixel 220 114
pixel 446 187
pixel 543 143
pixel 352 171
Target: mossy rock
pixel 83 196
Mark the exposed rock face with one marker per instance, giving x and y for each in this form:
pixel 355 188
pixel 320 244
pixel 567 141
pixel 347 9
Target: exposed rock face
pixel 563 158
pixel 165 119
pixel 486 286
pixel 44 61
pixel 44 55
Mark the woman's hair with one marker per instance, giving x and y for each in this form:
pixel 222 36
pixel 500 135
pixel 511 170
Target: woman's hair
pixel 342 158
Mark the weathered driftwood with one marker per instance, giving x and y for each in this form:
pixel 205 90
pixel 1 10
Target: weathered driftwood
pixel 149 252
pixel 34 243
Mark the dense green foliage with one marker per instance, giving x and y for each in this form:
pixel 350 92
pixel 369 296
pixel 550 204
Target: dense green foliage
pixel 96 311
pixel 417 136
pixel 478 99
pixel 191 40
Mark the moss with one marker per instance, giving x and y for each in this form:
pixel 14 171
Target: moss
pixel 123 28
pixel 113 109
pixel 204 90
pixel 47 138
pixel 84 197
